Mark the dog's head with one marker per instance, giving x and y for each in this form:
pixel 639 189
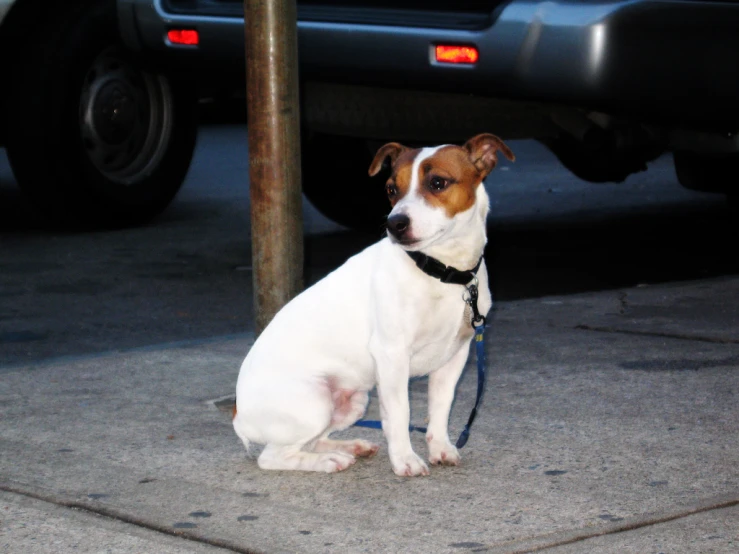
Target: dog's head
pixel 436 192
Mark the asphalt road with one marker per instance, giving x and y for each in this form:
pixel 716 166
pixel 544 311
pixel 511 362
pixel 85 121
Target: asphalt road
pixel 187 275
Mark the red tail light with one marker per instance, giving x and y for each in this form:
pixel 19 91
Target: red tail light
pixel 188 37
pixel 448 53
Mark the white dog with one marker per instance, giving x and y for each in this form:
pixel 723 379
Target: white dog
pixel 377 320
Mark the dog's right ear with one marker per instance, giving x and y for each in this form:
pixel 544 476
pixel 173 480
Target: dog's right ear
pixel 391 150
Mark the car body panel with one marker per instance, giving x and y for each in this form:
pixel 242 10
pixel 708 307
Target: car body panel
pixel 5 8
pixel 612 55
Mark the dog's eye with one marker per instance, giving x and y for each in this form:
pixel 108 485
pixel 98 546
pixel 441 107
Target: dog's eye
pixel 391 189
pixel 438 183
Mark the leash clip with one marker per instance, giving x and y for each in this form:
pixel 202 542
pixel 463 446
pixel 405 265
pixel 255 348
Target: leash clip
pixel 471 299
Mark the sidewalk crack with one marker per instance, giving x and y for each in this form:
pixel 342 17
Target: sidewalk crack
pixel 563 538
pixel 125 518
pixel 632 526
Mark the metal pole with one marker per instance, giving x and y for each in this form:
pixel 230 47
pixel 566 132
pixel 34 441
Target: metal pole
pixel 274 154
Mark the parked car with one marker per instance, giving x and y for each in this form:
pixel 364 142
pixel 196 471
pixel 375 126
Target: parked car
pixel 95 137
pixel 100 108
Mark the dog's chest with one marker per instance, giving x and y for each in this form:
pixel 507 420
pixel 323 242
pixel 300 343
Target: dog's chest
pixel 444 327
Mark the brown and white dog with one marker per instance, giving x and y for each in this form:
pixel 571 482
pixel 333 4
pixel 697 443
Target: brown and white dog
pixel 377 320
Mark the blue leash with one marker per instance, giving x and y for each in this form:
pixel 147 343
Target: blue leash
pixel 480 354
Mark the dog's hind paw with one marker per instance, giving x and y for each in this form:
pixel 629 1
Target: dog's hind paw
pixel 443 453
pixel 288 458
pixel 332 462
pixel 358 447
pixel 409 466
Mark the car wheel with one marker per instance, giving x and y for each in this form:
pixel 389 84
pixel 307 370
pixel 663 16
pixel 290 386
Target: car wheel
pixel 708 173
pixel 601 158
pixel 711 173
pixel 335 180
pixel 94 139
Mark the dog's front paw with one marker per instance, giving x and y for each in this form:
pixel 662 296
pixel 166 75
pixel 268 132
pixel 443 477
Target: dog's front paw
pixel 443 453
pixel 409 465
pixel 364 449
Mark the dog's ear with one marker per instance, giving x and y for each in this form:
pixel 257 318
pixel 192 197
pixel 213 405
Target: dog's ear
pixel 391 150
pixel 483 148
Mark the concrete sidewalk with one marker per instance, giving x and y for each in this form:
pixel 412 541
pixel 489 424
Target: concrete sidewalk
pixel 610 424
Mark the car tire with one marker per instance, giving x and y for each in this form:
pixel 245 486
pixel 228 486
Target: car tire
pixel 93 139
pixel 599 158
pixel 336 180
pixel 708 172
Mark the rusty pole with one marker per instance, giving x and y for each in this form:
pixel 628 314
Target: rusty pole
pixel 274 154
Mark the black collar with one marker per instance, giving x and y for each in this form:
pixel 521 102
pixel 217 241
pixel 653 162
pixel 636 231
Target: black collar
pixel 446 274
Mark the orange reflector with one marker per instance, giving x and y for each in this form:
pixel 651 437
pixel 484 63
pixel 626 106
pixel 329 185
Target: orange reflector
pixel 456 54
pixel 188 37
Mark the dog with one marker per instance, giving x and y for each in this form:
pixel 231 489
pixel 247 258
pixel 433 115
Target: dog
pixel 377 320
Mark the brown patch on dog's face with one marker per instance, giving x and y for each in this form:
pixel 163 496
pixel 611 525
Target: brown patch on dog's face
pixel 399 183
pixel 449 180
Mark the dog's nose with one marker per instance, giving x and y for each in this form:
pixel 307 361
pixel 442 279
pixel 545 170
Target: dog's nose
pixel 398 224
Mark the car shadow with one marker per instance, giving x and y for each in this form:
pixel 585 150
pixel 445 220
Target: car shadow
pixel 526 257
pixel 529 259
pixel 16 212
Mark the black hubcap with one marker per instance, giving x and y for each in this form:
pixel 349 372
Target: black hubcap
pixel 114 112
pixel 125 118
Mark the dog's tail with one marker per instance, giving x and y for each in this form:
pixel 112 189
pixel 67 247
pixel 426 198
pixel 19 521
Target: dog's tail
pixel 237 428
